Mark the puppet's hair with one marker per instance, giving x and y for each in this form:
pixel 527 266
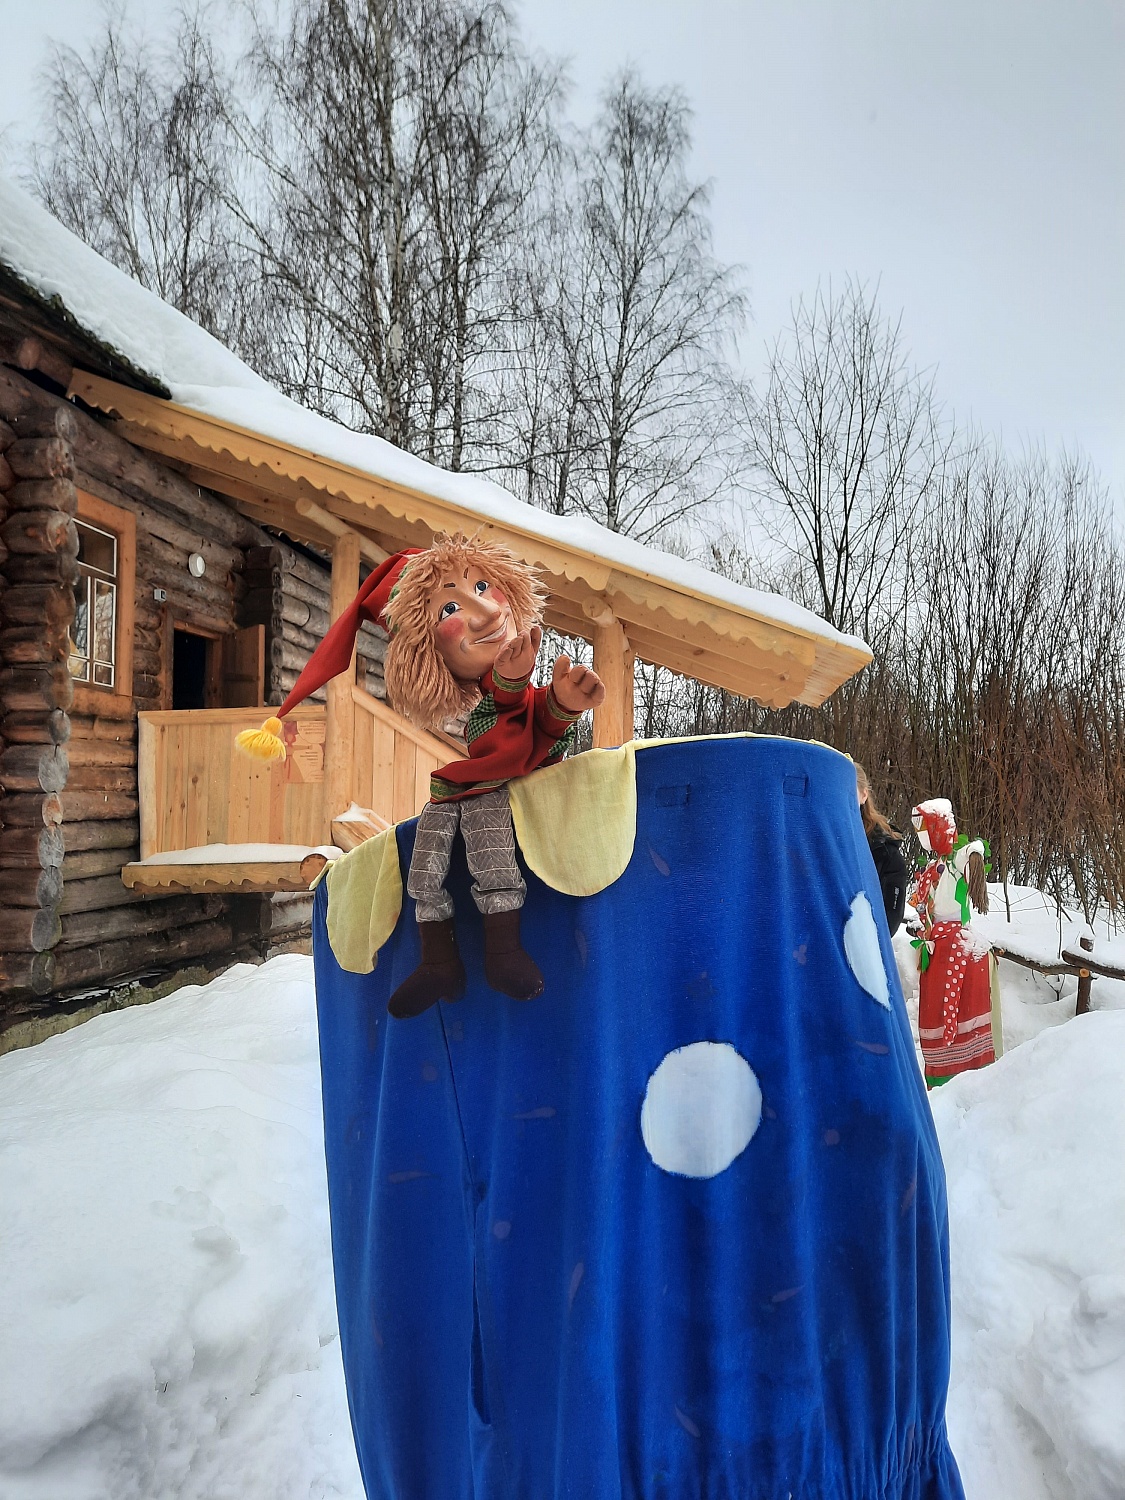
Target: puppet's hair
pixel 977 881
pixel 419 683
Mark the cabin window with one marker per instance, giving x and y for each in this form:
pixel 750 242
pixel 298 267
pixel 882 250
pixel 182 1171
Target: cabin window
pixel 93 642
pixel 100 655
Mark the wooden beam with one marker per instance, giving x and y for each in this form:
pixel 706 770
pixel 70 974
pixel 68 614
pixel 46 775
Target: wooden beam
pixel 613 662
pixel 337 528
pixel 339 733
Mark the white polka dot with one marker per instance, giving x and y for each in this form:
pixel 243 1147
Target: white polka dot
pixel 701 1109
pixel 861 946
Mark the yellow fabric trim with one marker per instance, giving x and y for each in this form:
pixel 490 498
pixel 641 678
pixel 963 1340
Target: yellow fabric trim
pixel 576 822
pixel 364 901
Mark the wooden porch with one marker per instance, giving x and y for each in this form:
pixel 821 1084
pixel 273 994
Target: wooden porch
pixel 256 826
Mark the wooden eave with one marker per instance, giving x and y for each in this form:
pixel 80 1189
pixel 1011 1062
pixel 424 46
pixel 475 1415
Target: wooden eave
pixel 667 623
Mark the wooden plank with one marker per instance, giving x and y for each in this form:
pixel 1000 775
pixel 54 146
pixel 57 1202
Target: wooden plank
pixel 243 680
pixel 382 793
pixel 424 766
pixel 402 795
pixel 281 875
pixel 363 751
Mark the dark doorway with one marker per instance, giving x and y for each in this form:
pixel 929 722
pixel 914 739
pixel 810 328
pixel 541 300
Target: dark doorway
pixel 189 670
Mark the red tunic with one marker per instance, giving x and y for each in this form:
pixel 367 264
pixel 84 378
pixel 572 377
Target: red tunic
pixel 513 730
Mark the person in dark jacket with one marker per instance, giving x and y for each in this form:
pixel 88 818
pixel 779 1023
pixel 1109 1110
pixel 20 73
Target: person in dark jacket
pixel 886 851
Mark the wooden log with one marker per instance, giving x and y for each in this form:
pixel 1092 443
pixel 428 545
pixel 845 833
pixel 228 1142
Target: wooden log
pixel 293 564
pixel 143 918
pixel 163 557
pixel 35 687
pixel 35 644
pixel 32 604
pixel 97 754
pixel 181 535
pixel 30 728
pixel 47 358
pixel 110 833
pixel 103 727
pixel 32 810
pixel 7 437
pixel 23 848
pixel 107 778
pixel 45 416
pixel 27 768
pixel 29 930
pixel 83 807
pixel 7 477
pixel 613 720
pixel 42 569
pixel 41 458
pixel 44 494
pixel 288 658
pixel 18 399
pixel 31 887
pixel 105 459
pixel 40 531
pixel 91 862
pixel 27 973
pixel 97 893
pixel 150 953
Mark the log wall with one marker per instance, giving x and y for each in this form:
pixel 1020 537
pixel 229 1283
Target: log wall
pixel 68 767
pixel 287 591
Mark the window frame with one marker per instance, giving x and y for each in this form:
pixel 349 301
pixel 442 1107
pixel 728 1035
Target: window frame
pixel 91 697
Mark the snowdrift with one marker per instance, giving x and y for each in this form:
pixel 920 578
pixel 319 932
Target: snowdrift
pixel 1035 1156
pixel 167 1326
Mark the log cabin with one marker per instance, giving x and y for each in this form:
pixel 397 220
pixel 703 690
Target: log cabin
pixel 175 537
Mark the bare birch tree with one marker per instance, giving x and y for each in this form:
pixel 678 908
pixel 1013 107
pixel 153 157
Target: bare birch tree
pixel 135 160
pixel 844 449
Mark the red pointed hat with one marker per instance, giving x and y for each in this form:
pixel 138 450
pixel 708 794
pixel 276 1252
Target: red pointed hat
pixel 332 655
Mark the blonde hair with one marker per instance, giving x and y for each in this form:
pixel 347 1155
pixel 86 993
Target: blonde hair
pixel 419 683
pixel 873 819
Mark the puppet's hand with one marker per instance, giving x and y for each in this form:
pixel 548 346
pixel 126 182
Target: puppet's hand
pixel 516 658
pixel 576 687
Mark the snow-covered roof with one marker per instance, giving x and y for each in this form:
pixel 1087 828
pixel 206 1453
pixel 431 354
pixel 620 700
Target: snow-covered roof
pixel 205 378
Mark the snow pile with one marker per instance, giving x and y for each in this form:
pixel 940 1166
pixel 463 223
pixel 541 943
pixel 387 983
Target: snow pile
pixel 206 377
pixel 167 1319
pixel 1033 1150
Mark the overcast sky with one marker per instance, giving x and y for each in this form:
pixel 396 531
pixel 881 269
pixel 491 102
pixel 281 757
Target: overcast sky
pixel 969 155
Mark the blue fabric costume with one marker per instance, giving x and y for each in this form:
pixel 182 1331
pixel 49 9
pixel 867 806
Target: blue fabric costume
pixel 530 1307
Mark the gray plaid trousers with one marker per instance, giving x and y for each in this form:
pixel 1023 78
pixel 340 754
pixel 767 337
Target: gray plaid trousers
pixel 490 848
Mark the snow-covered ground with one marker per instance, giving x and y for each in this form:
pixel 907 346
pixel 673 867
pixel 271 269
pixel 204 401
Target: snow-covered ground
pixel 167 1326
pixel 167 1317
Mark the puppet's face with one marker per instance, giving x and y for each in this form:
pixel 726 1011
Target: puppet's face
pixel 472 620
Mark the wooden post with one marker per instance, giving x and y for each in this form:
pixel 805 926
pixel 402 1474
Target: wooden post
pixel 339 729
pixel 613 662
pixel 1082 1003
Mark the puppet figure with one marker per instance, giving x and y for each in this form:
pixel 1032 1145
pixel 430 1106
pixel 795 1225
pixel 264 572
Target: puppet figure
pixel 955 985
pixel 464 624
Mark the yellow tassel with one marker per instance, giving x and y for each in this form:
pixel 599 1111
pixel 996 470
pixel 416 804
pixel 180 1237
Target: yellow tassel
pixel 263 744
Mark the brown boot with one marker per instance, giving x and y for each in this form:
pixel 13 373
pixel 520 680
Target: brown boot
pixel 440 975
pixel 506 966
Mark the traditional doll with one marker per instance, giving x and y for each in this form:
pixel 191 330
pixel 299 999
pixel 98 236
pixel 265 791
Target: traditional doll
pixel 955 986
pixel 464 624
